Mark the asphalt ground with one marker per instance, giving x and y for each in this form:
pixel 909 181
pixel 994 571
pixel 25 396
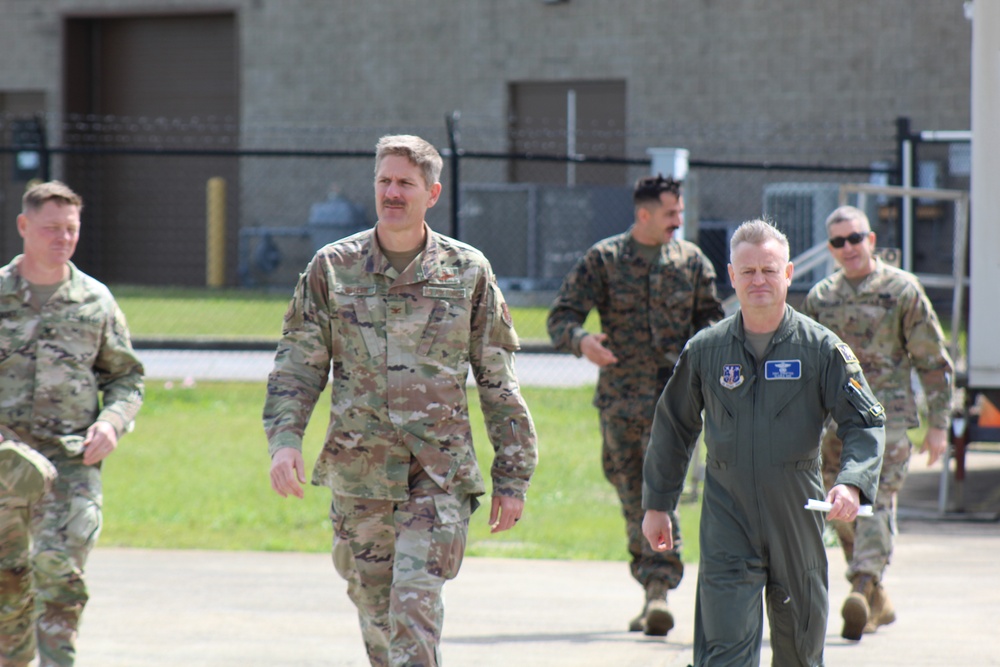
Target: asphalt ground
pixel 204 608
pixel 191 608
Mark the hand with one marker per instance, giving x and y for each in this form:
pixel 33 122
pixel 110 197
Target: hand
pixel 592 347
pixel 658 530
pixel 101 440
pixel 504 513
pixel 288 472
pixel 845 501
pixel 935 444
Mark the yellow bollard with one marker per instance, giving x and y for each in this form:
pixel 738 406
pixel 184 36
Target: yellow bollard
pixel 215 224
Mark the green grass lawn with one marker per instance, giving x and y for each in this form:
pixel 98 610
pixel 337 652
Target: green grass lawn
pixel 154 312
pixel 194 474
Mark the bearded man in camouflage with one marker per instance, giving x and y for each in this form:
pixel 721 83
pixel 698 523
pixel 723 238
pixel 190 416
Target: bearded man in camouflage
pixel 400 312
pixel 653 292
pixel 884 315
pixel 70 387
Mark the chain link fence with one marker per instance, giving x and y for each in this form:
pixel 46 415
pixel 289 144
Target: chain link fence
pixel 291 188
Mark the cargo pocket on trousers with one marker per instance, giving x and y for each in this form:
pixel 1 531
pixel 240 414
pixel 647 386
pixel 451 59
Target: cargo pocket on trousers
pixel 448 537
pixel 343 555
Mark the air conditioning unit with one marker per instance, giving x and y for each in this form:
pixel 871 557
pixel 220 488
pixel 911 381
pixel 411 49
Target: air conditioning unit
pixel 800 211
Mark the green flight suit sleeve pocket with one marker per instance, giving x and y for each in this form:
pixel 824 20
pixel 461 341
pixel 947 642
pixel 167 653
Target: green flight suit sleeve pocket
pixel 867 405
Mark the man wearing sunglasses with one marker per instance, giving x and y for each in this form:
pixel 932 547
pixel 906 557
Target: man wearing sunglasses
pixel 884 315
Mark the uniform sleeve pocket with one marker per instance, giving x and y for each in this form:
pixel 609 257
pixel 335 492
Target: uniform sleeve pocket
pixel 867 406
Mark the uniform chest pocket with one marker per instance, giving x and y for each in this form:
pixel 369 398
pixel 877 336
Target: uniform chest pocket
pixel 10 332
pixel 75 337
pixel 445 339
pixel 721 431
pixel 354 331
pixel 792 408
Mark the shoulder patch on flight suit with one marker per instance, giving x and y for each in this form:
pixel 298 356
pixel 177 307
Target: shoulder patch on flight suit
pixel 847 353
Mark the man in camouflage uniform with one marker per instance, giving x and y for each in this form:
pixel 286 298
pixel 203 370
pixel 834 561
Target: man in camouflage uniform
pixel 400 312
pixel 70 387
pixel 884 315
pixel 653 292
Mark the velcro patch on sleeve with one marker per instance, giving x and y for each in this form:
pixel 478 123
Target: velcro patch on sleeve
pixel 847 353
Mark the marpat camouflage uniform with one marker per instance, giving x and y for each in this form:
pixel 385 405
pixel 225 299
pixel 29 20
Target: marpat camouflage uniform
pixel 61 369
pixel 891 325
pixel 648 311
pixel 398 454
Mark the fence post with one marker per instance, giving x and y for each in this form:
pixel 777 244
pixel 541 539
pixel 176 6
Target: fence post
pixel 45 157
pixel 215 225
pixel 451 121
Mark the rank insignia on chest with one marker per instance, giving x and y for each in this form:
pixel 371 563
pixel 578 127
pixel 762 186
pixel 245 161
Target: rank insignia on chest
pixel 732 376
pixel 790 369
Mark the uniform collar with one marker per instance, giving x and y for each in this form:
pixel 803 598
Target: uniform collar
pixel 844 285
pixel 13 282
pixel 784 328
pixel 631 247
pixel 427 266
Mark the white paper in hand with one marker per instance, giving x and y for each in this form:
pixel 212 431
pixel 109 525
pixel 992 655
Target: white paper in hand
pixel 820 506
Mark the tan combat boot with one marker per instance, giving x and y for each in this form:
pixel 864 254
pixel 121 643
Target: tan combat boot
pixel 882 611
pixel 856 610
pixel 655 619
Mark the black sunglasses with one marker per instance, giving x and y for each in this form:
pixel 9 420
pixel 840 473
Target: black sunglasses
pixel 853 239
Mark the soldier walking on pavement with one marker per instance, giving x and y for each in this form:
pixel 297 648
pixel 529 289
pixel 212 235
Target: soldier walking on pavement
pixel 766 379
pixel 883 313
pixel 70 387
pixel 653 292
pixel 399 313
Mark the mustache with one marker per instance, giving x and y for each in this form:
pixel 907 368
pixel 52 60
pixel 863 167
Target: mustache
pixel 393 202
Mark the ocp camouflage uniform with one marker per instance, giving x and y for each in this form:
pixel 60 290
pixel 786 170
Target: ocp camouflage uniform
pixel 61 369
pixel 891 325
pixel 648 311
pixel 398 455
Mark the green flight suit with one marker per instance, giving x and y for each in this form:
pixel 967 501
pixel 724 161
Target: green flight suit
pixel 762 421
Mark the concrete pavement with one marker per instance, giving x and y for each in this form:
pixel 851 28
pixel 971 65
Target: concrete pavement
pixel 533 369
pixel 156 608
pixel 161 608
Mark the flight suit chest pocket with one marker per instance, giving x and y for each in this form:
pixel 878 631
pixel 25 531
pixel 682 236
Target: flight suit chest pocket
pixel 789 406
pixel 721 432
pixel 355 316
pixel 445 339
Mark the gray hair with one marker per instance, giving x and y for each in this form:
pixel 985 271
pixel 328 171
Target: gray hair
pixel 757 232
pixel 846 214
pixel 418 151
